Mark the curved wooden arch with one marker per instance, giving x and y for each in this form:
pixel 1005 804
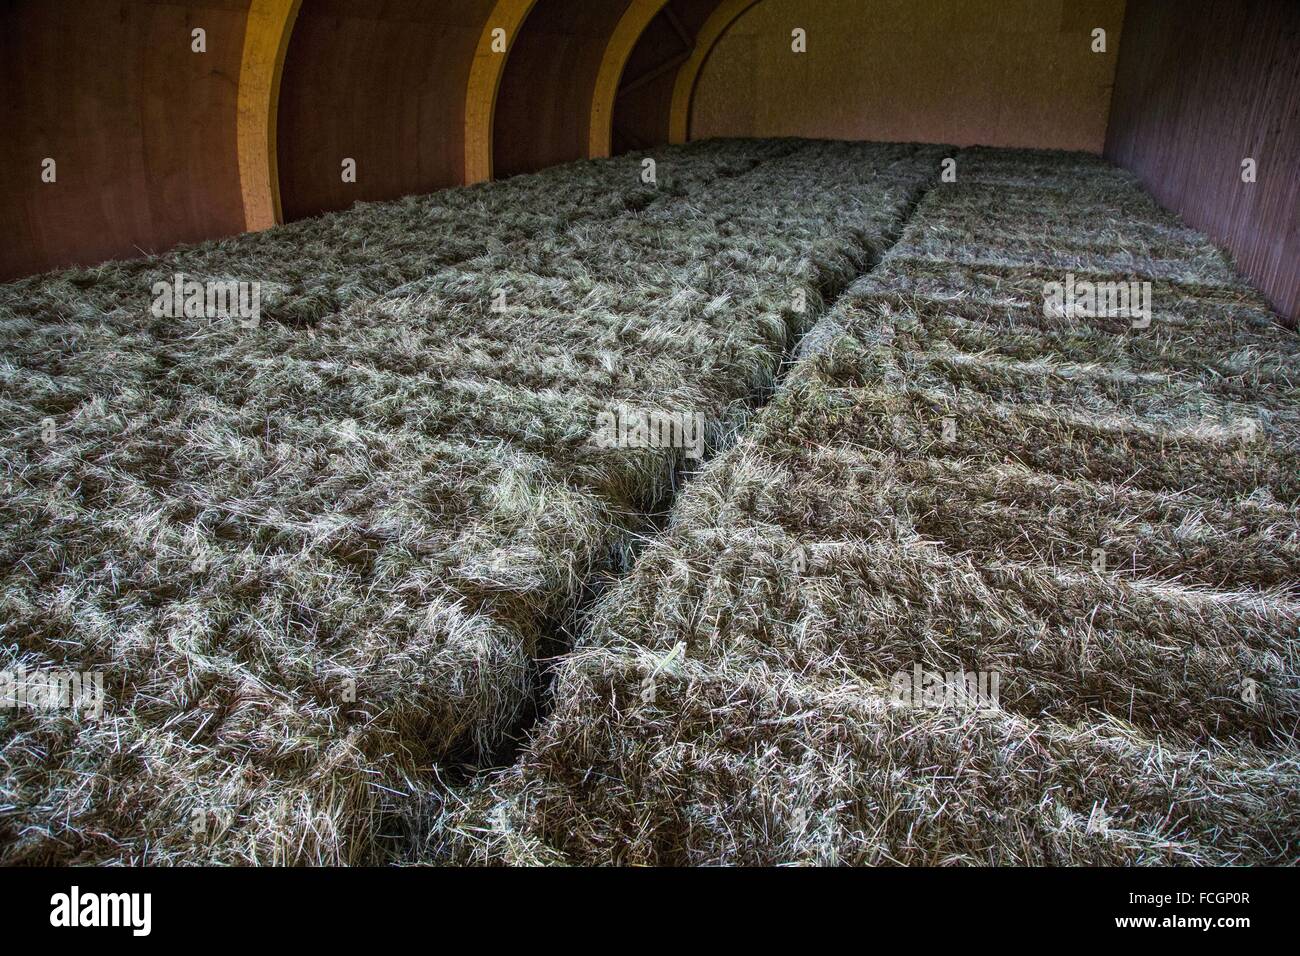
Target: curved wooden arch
pixel 266 40
pixel 621 43
pixel 484 84
pixel 727 13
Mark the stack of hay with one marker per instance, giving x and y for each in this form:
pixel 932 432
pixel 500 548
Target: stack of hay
pixel 313 557
pixel 314 267
pixel 984 584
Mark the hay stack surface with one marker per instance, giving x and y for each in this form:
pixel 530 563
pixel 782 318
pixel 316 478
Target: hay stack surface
pixel 318 558
pixel 931 490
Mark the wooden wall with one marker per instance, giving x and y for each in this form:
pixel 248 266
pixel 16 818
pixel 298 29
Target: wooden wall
pixel 641 112
pixel 141 128
pixel 1202 85
pixel 149 137
pixel 544 105
pixel 997 72
pixel 382 82
pixel 144 130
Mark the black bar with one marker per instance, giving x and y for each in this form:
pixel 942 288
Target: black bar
pixel 263 907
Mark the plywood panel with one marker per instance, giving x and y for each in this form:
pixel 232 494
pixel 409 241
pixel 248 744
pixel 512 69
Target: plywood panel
pixel 142 128
pixel 997 72
pixel 266 42
pixel 1201 86
pixel 637 17
pixel 382 82
pixel 544 104
pixel 641 114
pixel 502 28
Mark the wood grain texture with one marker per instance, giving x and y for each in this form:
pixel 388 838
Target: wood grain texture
pixel 636 18
pixel 142 128
pixel 719 21
pixel 383 82
pixel 485 86
pixel 996 72
pixel 266 41
pixel 644 101
pixel 1201 85
pixel 543 108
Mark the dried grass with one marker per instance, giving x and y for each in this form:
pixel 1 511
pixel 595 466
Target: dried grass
pixel 731 702
pixel 317 561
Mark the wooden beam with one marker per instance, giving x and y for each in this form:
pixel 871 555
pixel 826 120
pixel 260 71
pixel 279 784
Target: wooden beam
pixel 635 19
pixel 484 84
pixel 674 21
pixel 684 89
pixel 654 73
pixel 266 41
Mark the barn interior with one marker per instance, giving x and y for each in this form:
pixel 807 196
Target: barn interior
pixel 647 432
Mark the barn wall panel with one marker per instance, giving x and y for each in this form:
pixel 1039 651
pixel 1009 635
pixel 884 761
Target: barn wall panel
pixel 1201 86
pixel 996 72
pixel 382 82
pixel 642 110
pixel 142 129
pixel 543 108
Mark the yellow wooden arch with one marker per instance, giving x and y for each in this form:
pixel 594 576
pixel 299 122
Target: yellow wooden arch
pixel 266 40
pixel 684 89
pixel 484 83
pixel 621 43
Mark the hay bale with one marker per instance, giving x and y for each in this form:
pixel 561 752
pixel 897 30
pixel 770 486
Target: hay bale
pixel 319 560
pixel 931 489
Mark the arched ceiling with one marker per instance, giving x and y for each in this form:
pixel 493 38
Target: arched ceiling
pixel 266 41
pixel 543 109
pixel 723 15
pixel 643 99
pixel 495 43
pixel 158 145
pixel 424 96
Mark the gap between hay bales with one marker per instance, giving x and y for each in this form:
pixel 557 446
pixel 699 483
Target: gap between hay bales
pixel 562 632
